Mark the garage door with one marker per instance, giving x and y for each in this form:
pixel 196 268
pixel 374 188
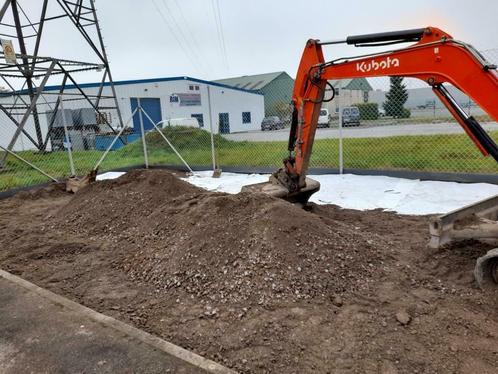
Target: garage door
pixel 152 106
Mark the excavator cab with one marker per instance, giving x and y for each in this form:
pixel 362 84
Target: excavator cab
pixel 434 57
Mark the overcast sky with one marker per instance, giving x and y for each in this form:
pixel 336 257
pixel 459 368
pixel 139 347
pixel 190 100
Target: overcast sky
pixel 161 38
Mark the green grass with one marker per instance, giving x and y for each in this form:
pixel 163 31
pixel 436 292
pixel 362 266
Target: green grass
pixel 443 153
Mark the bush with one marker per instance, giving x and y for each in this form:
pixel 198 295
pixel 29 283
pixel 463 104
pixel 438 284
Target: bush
pixel 368 111
pixel 405 113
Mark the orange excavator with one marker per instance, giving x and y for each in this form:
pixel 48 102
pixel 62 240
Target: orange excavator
pixel 435 57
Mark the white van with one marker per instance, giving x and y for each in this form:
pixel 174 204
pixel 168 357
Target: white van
pixel 324 118
pixel 185 122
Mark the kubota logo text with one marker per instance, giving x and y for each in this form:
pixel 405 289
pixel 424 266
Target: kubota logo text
pixel 373 65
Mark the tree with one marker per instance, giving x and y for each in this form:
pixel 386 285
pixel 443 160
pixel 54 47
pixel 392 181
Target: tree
pixel 396 99
pixel 368 111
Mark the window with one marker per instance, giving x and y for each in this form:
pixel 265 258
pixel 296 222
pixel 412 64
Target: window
pixel 197 88
pixel 174 99
pixel 191 87
pixel 199 118
pixel 365 96
pixel 246 117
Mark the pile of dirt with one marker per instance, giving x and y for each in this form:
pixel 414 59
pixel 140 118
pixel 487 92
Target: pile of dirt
pixel 225 248
pixel 123 203
pixel 52 190
pixel 255 283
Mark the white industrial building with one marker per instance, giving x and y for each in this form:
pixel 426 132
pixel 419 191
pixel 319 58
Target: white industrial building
pixel 231 109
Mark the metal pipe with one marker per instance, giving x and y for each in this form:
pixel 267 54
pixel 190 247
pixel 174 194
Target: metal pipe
pixel 167 141
pixel 54 111
pixel 332 41
pixel 26 115
pixel 28 163
pixel 66 134
pixel 341 151
pixel 452 100
pixel 5 6
pixel 27 73
pixel 142 131
pixel 211 129
pixel 106 62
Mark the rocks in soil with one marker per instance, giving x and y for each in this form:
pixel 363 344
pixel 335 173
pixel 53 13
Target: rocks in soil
pixel 223 248
pixel 403 317
pixel 251 282
pixel 337 301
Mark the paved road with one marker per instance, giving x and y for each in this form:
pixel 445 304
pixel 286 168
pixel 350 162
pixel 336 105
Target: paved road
pixel 369 131
pixel 40 336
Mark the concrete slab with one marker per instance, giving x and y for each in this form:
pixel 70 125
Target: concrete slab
pixel 41 332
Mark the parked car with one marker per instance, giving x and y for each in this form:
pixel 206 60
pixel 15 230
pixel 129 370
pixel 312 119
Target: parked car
pixel 324 118
pixel 271 123
pixel 350 116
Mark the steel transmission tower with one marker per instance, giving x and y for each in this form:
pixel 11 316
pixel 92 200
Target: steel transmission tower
pixel 22 72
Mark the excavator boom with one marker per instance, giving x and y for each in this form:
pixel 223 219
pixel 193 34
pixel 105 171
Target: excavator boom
pixel 435 57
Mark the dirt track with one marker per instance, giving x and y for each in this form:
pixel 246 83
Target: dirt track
pixel 256 283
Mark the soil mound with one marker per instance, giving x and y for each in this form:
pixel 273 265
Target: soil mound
pixel 223 247
pixel 256 283
pixel 122 203
pixel 52 190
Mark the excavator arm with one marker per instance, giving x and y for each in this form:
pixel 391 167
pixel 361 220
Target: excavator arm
pixel 435 57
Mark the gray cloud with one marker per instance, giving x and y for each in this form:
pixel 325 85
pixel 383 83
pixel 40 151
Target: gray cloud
pixel 260 36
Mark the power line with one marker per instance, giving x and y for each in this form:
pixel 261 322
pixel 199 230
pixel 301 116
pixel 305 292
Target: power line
pixel 182 34
pixel 192 36
pixel 219 30
pixel 222 34
pixel 172 31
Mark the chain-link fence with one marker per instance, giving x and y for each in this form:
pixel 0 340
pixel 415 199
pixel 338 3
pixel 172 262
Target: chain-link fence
pixel 375 124
pixel 388 124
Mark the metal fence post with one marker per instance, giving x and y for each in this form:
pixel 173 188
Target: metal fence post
pixel 142 131
pixel 66 135
pixel 341 155
pixel 211 128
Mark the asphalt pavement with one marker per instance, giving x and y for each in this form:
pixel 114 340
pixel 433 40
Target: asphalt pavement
pixel 362 131
pixel 43 335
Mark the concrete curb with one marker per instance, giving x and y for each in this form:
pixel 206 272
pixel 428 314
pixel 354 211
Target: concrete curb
pixel 154 341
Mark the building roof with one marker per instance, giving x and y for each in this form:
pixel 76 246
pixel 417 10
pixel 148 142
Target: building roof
pixel 251 82
pixel 259 81
pixel 139 81
pixel 360 84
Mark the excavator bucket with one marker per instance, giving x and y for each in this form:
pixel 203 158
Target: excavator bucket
pixel 276 189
